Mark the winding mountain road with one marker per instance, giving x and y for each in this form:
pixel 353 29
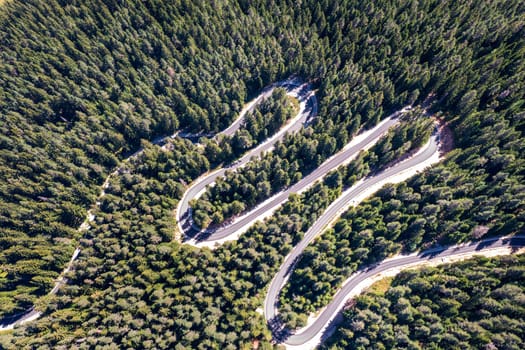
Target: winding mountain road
pixel 293 85
pixel 307 110
pixel 325 323
pixel 327 319
pixel 352 196
pixel 231 231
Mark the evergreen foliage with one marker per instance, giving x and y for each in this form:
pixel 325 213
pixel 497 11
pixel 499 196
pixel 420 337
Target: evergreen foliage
pixel 232 196
pixel 84 82
pixel 476 304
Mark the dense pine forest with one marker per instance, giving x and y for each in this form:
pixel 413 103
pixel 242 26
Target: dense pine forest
pixel 84 84
pixel 477 304
pixel 242 190
pixel 223 200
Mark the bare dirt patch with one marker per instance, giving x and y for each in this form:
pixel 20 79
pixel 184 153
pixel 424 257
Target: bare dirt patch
pixel 446 136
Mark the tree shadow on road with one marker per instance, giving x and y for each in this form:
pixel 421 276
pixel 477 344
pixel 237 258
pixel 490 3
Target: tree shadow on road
pixel 279 330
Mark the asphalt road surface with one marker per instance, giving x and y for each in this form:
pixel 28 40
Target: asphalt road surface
pixel 308 109
pixel 270 307
pixel 333 309
pixel 293 85
pixel 31 314
pixel 332 163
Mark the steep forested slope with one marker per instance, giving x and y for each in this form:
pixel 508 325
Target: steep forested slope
pixel 223 200
pixel 476 304
pixel 84 81
pixel 82 84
